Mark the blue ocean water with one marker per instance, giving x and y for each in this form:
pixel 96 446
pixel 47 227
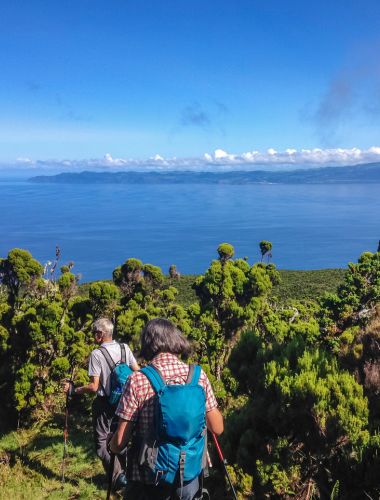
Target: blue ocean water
pixel 100 226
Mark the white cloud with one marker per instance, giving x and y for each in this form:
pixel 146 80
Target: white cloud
pixel 25 162
pixel 218 160
pixel 219 154
pixel 290 151
pixel 158 158
pixel 301 158
pixel 375 150
pixel 109 160
pixel 250 156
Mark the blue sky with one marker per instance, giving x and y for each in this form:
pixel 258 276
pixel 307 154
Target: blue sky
pixel 180 78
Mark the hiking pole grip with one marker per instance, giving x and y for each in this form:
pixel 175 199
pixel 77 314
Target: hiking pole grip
pixel 224 462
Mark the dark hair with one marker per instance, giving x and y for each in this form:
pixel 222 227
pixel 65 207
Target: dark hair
pixel 161 335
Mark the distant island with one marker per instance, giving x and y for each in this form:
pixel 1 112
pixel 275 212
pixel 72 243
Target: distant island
pixel 367 173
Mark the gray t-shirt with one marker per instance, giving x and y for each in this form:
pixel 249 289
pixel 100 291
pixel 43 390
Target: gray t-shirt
pixel 98 366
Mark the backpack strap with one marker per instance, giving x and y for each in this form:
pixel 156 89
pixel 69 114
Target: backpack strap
pixel 110 362
pixel 190 374
pixel 123 354
pixel 194 373
pixel 154 377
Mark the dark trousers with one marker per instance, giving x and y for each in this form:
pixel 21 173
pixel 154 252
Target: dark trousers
pixel 103 418
pixel 139 491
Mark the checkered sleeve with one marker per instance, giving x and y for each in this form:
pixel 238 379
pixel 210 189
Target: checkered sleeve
pixel 128 405
pixel 211 402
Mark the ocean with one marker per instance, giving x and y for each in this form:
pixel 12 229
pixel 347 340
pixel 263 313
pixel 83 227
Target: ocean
pixel 100 226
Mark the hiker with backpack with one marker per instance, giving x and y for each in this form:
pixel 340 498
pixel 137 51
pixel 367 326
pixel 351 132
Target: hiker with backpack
pixel 165 411
pixel 109 367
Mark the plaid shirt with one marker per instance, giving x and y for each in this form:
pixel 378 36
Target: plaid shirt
pixel 137 402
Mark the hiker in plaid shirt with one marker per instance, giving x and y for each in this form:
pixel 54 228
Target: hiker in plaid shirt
pixel 161 343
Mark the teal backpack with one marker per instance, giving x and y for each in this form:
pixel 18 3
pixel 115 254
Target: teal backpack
pixel 119 374
pixel 176 449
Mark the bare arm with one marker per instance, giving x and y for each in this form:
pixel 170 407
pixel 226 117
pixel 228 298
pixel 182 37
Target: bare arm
pixel 135 367
pixel 121 437
pixel 214 421
pixel 92 387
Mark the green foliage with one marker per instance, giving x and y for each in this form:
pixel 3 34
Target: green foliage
pixel 307 285
pixel 225 251
pixel 146 295
pixel 335 491
pixel 173 273
pixel 143 307
pixel 67 285
pixel 356 299
pixel 38 345
pixel 49 348
pixel 184 285
pixel 128 276
pixel 19 272
pixel 65 269
pixel 231 295
pixel 282 481
pixel 265 248
pixel 283 323
pixel 153 277
pixel 242 482
pixel 104 299
pixel 299 285
pixel 305 412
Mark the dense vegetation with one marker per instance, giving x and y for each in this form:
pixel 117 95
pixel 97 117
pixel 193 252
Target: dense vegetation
pixel 292 285
pixel 296 370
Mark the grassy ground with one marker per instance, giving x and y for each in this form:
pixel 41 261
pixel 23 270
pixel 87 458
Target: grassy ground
pixel 186 294
pixel 308 284
pixel 31 465
pixel 293 285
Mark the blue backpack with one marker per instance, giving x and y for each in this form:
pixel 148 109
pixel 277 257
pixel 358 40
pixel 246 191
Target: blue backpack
pixel 176 449
pixel 119 374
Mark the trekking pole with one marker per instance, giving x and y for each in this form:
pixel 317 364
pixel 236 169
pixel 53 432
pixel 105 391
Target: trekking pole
pixel 110 474
pixel 66 430
pixel 224 462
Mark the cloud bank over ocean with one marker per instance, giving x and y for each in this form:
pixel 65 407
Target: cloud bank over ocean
pixel 220 160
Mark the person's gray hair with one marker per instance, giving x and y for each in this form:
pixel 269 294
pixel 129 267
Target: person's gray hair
pixel 103 325
pixel 161 335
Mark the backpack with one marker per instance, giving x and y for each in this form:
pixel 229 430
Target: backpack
pixel 119 373
pixel 176 448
